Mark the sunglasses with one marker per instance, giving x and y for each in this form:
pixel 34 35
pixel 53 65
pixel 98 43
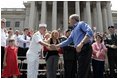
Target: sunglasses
pixel 110 27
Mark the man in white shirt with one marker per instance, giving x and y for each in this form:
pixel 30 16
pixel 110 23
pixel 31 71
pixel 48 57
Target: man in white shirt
pixel 34 51
pixel 3 40
pixel 23 44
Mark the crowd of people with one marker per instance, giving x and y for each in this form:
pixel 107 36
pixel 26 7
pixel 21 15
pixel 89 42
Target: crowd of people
pixel 84 51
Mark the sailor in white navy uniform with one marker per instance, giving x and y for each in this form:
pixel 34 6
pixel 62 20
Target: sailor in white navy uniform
pixel 34 51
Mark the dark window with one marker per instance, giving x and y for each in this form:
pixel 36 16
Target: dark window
pixel 115 25
pixel 8 24
pixel 17 24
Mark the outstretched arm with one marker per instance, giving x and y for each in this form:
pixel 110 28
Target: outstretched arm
pixel 44 43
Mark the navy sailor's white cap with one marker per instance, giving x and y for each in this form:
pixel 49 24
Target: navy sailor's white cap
pixel 3 20
pixel 42 25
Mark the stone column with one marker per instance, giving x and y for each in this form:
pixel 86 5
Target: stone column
pixel 95 17
pixel 43 12
pixel 27 12
pixel 84 12
pixel 82 15
pixel 54 15
pixel 32 14
pixel 99 17
pixel 105 23
pixel 37 20
pixel 109 14
pixel 77 8
pixel 65 15
pixel 88 12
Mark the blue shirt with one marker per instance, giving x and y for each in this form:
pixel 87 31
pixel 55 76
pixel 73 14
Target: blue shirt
pixel 80 30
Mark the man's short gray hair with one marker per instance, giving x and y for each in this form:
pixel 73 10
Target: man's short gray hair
pixel 74 16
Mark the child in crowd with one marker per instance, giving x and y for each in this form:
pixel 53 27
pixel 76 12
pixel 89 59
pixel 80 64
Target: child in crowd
pixel 98 56
pixel 10 61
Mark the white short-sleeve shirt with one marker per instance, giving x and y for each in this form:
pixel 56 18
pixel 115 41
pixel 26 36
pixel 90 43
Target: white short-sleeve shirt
pixel 35 47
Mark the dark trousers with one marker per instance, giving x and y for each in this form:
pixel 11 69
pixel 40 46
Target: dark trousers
pixel 84 60
pixel 52 66
pixel 112 60
pixel 22 52
pixel 2 57
pixel 98 68
pixel 70 68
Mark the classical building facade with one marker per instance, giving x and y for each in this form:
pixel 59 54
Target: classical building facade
pixel 114 17
pixel 15 17
pixel 55 14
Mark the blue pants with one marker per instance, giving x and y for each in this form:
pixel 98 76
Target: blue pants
pixel 98 68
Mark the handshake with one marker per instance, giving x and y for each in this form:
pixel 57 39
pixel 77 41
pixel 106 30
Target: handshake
pixel 54 47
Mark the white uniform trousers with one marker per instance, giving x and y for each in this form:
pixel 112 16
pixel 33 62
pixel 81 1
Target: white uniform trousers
pixel 32 66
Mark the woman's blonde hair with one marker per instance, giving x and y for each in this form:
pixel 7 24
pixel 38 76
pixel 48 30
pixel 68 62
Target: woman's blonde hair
pixel 52 33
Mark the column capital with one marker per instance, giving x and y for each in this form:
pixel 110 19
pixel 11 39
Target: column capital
pixel 108 4
pixel 104 4
pixel 26 4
